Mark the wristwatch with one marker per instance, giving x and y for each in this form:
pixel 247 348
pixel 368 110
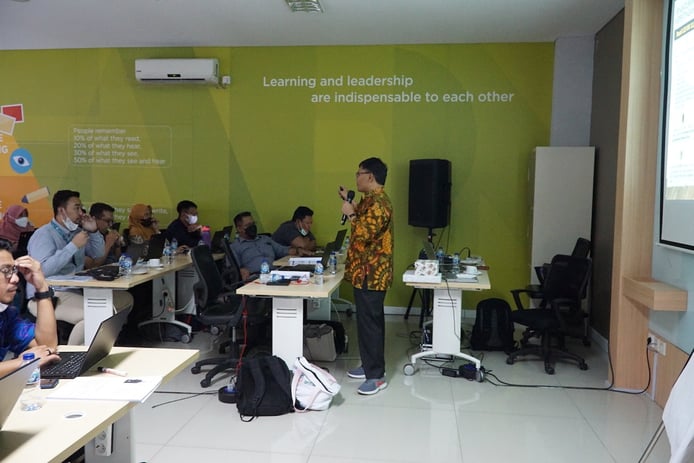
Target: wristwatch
pixel 44 294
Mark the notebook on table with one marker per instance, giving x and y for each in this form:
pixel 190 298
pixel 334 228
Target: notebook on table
pixel 12 385
pixel 73 364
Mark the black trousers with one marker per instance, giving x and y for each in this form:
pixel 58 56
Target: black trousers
pixel 371 331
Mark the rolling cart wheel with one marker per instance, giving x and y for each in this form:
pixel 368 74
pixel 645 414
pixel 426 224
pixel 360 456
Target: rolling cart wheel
pixel 480 375
pixel 214 330
pixel 408 369
pixel 509 361
pixel 185 338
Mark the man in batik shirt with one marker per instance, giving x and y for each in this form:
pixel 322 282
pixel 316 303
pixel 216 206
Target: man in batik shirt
pixel 369 267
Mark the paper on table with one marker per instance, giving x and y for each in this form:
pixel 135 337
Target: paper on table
pixel 70 278
pixel 135 389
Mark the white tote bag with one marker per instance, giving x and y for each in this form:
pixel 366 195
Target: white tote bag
pixel 313 388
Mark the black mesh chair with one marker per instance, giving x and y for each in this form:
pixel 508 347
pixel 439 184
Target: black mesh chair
pixel 564 289
pixel 581 249
pixel 216 306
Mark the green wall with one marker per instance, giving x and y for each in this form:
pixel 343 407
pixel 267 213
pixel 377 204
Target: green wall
pixel 268 148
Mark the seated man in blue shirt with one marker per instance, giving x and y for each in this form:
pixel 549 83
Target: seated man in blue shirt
pixel 297 232
pixel 16 333
pixel 185 228
pixel 63 246
pixel 251 249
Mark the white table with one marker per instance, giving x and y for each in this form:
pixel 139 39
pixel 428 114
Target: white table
pixel 288 310
pixel 98 295
pixel 446 312
pixel 61 427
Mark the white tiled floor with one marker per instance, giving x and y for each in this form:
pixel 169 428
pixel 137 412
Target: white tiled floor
pixel 422 418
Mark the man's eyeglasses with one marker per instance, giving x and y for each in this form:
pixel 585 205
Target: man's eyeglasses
pixel 9 271
pixel 361 172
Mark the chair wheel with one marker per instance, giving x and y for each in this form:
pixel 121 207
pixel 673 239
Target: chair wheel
pixel 195 370
pixel 583 366
pixel 408 369
pixel 185 338
pixel 214 330
pixel 549 369
pixel 510 361
pixel 205 383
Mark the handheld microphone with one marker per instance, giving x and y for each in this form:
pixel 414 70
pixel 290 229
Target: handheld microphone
pixel 350 197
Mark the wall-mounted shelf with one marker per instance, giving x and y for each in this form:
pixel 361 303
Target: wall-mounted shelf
pixel 654 294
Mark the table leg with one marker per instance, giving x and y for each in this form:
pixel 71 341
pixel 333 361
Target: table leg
pixel 98 306
pixel 447 310
pixel 287 328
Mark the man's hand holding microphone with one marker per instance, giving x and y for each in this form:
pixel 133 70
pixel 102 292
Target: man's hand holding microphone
pixel 347 206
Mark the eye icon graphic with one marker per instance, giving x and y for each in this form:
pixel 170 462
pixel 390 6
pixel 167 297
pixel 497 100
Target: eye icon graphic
pixel 21 161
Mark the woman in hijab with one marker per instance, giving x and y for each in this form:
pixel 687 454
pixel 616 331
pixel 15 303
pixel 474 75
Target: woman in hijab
pixel 141 224
pixel 15 222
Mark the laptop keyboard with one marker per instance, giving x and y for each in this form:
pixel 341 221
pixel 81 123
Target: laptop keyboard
pixel 68 367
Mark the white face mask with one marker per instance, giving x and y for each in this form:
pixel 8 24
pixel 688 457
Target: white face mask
pixel 303 232
pixel 192 219
pixel 22 222
pixel 69 224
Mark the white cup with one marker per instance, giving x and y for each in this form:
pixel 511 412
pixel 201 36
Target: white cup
pixel 155 263
pixel 470 269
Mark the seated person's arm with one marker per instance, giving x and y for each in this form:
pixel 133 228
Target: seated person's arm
pixel 305 242
pixel 245 273
pixel 43 249
pixel 46 332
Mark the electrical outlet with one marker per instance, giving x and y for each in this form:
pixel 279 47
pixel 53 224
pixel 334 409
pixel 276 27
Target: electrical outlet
pixel 103 442
pixel 656 344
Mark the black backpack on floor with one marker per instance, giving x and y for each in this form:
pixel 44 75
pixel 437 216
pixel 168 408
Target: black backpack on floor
pixel 493 329
pixel 263 388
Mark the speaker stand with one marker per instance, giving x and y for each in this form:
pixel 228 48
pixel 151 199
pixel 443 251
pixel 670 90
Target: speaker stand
pixel 425 295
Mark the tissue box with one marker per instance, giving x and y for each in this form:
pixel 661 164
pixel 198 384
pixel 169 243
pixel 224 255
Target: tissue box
pixel 426 267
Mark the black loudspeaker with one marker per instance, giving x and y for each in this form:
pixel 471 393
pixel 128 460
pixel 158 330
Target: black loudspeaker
pixel 430 193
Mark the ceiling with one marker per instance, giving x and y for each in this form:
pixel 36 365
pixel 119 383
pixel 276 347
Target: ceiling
pixel 45 24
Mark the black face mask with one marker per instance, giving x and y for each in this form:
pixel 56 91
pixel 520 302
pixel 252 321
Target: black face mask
pixel 146 222
pixel 252 231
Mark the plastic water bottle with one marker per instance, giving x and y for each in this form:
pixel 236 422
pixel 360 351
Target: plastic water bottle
pixel 31 397
pixel 318 273
pixel 345 245
pixel 166 252
pixel 264 271
pixel 440 255
pixel 125 264
pixel 332 263
pixel 206 238
pixel 456 263
pixel 174 247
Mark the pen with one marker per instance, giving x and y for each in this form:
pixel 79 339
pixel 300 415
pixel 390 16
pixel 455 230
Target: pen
pixel 112 371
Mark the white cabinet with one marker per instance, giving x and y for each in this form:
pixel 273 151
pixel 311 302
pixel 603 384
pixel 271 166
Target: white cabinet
pixel 561 203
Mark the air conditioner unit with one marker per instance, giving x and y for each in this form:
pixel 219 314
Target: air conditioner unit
pixel 201 71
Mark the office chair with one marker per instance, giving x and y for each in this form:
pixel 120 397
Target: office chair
pixel 215 307
pixel 564 290
pixel 581 249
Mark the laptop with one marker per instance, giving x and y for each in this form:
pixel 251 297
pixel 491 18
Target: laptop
pixel 12 385
pixel 217 244
pixel 339 239
pixel 73 364
pixel 330 247
pixel 154 248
